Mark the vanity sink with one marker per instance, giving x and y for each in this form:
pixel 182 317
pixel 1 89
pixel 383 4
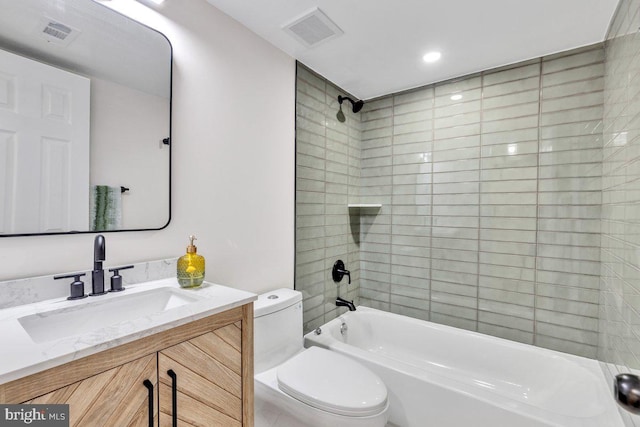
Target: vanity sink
pixel 102 311
pixel 51 332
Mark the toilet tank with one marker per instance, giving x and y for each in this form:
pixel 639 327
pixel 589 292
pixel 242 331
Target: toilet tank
pixel 277 328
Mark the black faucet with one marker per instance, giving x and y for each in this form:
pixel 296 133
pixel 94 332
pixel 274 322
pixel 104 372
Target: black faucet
pixel 97 275
pixel 340 302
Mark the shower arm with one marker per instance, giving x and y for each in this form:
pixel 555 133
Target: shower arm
pixel 357 105
pixel 343 98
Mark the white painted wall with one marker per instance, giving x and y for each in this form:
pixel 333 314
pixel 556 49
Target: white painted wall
pixel 233 161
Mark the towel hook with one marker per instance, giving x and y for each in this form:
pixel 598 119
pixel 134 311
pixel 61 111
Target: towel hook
pixel 123 189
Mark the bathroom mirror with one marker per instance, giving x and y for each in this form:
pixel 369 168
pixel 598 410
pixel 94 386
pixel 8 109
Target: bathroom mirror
pixel 85 120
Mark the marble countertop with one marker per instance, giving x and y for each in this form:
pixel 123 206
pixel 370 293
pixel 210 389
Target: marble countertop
pixel 22 355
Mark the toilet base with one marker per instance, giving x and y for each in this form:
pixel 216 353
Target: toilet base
pixel 276 408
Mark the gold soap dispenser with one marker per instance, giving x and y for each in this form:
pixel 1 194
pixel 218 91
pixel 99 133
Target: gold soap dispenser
pixel 191 267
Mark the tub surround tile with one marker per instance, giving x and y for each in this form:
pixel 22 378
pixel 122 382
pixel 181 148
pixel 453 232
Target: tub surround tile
pixel 504 332
pixel 619 303
pixel 493 87
pixel 566 346
pixel 328 178
pixel 457 321
pixel 491 202
pixel 485 187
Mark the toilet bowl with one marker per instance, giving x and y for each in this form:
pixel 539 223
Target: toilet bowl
pixel 295 386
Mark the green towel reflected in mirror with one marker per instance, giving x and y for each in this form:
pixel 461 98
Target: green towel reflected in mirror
pixel 106 208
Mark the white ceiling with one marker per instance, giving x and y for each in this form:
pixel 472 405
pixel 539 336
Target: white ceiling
pixel 383 43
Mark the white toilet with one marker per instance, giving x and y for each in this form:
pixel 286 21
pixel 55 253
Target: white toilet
pixel 307 387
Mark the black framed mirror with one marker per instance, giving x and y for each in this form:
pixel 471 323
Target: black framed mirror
pixel 85 120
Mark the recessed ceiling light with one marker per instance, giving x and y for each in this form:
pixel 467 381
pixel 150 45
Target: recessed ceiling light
pixel 431 57
pixel 456 97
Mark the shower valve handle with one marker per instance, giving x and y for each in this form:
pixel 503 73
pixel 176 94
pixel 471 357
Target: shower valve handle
pixel 339 271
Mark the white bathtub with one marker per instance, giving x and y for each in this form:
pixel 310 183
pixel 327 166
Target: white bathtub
pixel 443 376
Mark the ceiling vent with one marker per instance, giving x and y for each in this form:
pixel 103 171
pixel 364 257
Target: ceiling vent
pixel 313 28
pixel 56 32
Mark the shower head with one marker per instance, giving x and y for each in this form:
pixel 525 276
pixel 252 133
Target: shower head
pixel 357 105
pixel 340 116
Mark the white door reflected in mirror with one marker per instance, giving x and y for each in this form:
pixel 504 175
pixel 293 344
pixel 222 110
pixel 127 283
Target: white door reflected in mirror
pixel 44 147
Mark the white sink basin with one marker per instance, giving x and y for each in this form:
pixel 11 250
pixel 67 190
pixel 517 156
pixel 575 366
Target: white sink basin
pixel 101 311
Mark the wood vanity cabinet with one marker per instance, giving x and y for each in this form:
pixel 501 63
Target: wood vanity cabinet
pixel 206 372
pixel 203 369
pixel 116 397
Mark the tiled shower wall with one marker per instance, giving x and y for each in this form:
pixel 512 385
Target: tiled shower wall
pixel 620 272
pixel 490 187
pixel 327 178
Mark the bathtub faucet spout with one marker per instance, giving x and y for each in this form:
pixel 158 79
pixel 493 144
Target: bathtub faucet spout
pixel 340 302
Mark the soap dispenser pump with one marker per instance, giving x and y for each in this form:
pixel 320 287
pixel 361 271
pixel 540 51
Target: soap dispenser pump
pixel 191 267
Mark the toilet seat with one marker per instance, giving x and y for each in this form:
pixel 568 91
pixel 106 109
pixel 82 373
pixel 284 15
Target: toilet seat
pixel 332 382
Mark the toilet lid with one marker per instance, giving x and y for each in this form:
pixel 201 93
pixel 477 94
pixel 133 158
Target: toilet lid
pixel 332 382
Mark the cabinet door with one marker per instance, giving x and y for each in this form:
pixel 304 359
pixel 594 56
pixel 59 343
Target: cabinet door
pixel 208 380
pixel 117 397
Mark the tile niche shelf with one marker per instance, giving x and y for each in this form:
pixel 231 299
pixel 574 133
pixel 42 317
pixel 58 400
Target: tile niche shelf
pixel 364 208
